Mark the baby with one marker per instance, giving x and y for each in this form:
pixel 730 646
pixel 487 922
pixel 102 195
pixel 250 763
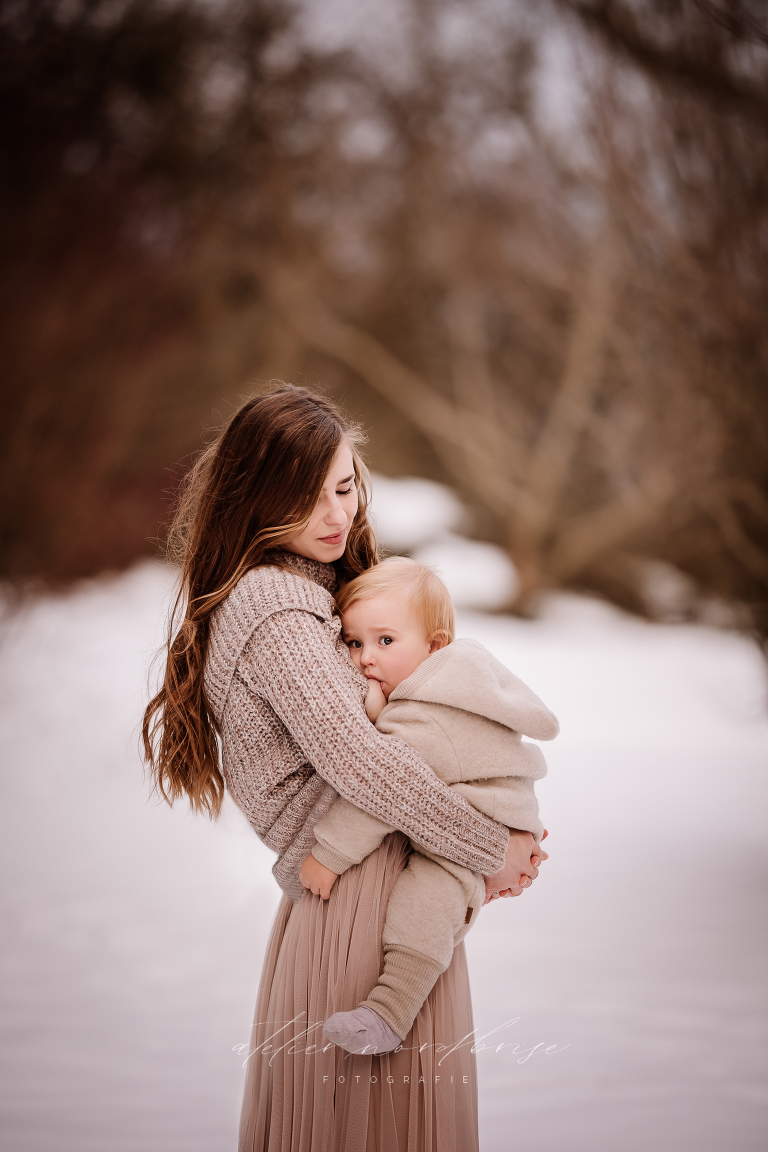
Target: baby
pixel 464 712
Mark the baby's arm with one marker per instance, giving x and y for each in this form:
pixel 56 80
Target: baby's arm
pixel 345 836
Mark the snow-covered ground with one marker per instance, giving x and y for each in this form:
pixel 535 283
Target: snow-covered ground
pixel 133 934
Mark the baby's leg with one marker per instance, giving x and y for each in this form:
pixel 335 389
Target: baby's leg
pixel 430 910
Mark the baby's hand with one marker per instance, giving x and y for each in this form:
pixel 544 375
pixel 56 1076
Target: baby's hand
pixel 375 700
pixel 317 878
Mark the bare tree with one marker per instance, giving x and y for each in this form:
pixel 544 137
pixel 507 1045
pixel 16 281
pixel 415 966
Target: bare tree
pixel 570 330
pixel 587 378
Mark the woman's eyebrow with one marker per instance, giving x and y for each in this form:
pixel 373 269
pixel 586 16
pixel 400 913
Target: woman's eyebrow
pixel 346 480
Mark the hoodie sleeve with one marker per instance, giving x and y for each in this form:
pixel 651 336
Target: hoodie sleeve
pixel 346 835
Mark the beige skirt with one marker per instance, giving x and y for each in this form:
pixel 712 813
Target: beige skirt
pixel 303 1094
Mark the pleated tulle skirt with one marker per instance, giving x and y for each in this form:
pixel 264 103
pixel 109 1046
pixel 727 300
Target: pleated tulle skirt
pixel 304 1095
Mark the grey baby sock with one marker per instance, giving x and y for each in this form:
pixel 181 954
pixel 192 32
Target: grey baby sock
pixel 361 1028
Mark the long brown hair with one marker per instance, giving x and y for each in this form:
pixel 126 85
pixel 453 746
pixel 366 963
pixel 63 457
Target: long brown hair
pixel 252 489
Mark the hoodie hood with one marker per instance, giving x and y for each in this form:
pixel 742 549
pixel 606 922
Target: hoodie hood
pixel 466 676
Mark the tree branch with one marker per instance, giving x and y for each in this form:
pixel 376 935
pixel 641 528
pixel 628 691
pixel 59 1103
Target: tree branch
pixel 570 411
pixel 620 30
pixel 591 535
pixel 455 432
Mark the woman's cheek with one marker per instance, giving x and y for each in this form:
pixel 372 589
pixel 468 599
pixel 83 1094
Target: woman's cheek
pixel 351 509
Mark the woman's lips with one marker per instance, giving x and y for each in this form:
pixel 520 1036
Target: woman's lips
pixel 336 539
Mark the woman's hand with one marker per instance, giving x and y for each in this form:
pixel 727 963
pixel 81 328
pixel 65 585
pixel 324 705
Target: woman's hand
pixel 317 878
pixel 538 852
pixel 520 866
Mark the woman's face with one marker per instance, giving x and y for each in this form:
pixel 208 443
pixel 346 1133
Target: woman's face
pixel 325 537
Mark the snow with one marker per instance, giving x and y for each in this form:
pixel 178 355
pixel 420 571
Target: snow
pixel 458 561
pixel 133 934
pixel 411 514
pixel 410 511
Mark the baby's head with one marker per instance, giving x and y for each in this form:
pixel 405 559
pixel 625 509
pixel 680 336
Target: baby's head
pixel 394 616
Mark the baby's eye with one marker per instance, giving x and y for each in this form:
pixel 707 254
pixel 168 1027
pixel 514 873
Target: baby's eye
pixel 385 640
pixel 353 644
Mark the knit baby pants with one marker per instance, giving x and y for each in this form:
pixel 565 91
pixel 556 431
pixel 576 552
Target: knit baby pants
pixel 433 905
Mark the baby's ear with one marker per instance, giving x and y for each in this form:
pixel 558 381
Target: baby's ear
pixel 439 640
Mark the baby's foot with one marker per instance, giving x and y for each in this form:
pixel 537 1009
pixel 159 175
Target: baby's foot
pixel 360 1029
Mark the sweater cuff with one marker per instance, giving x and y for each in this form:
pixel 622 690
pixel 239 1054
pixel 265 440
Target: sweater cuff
pixel 332 859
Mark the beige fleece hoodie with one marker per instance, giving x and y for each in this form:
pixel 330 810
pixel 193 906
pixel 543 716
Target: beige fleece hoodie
pixel 466 714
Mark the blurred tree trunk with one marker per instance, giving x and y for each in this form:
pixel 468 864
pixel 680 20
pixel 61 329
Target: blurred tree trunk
pixel 567 324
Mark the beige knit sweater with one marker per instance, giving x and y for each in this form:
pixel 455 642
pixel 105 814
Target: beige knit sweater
pixel 289 706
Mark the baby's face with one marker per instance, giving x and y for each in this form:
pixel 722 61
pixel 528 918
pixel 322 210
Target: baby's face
pixel 386 640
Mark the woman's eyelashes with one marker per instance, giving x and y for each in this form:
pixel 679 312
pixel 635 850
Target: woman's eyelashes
pixel 344 491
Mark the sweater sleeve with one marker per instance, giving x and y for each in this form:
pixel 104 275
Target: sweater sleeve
pixel 292 662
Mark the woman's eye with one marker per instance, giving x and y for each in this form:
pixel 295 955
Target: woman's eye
pixel 344 491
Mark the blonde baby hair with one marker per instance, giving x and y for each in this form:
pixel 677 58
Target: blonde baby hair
pixel 428 595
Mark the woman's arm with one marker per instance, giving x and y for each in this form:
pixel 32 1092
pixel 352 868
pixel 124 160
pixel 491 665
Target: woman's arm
pixel 292 663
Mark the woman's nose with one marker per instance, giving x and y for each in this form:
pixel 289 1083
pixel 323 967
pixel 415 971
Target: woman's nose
pixel 335 514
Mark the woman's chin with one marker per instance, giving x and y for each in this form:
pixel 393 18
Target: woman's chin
pixel 335 551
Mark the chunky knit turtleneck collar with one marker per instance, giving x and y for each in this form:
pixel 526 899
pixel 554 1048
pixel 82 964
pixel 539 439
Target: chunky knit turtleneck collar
pixel 323 574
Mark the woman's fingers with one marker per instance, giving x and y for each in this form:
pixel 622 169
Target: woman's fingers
pixel 526 879
pixel 539 853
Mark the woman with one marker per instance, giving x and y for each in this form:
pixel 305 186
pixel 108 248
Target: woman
pixel 272 519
